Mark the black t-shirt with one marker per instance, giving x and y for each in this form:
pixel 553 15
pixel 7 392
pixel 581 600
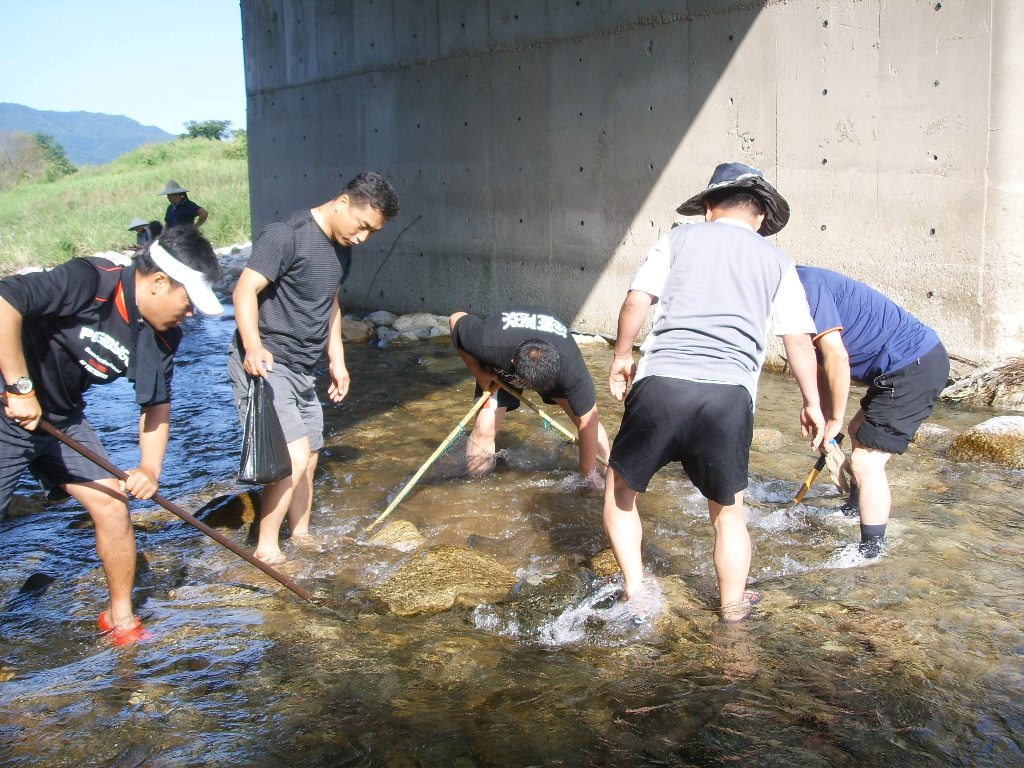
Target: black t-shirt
pixel 493 341
pixel 305 269
pixel 82 327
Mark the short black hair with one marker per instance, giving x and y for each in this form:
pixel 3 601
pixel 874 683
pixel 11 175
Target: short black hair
pixel 188 246
pixel 736 198
pixel 155 228
pixel 537 363
pixel 372 189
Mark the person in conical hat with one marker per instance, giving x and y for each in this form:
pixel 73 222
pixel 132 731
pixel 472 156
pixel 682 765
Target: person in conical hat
pixel 715 287
pixel 143 235
pixel 180 209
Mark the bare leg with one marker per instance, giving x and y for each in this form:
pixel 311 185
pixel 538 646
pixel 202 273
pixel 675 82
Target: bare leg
pixel 302 500
pixel 622 522
pixel 869 471
pixel 277 499
pixel 115 541
pixel 481 447
pixel 732 550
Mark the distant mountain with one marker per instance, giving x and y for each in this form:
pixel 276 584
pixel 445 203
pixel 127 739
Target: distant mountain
pixel 89 138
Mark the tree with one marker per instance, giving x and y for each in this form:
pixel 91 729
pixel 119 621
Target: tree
pixel 25 156
pixel 208 129
pixel 57 163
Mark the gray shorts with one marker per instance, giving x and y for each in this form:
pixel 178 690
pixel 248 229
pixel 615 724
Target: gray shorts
pixel 295 400
pixel 51 462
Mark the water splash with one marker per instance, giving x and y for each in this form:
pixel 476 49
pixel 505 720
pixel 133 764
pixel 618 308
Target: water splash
pixel 596 617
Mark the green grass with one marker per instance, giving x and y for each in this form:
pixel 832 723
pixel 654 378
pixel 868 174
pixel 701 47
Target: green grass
pixel 46 223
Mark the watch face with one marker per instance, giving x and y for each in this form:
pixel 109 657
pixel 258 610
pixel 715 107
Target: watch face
pixel 23 385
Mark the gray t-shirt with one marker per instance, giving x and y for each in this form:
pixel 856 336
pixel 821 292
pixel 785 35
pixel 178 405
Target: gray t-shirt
pixel 305 269
pixel 718 286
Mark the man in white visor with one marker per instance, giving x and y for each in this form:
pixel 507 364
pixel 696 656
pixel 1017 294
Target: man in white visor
pixel 90 321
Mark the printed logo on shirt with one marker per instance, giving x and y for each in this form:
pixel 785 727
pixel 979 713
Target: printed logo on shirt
pixel 533 322
pixel 107 342
pixel 95 369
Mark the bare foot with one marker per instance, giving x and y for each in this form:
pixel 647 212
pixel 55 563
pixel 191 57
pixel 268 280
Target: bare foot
pixel 272 559
pixel 305 540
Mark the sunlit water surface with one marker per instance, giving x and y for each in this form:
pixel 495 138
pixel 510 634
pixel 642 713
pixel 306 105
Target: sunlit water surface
pixel 914 659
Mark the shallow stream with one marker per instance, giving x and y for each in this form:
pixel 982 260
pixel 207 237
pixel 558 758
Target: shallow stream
pixel 915 659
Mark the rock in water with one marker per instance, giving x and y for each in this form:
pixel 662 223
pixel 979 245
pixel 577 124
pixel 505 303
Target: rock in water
pixel 1000 439
pixel 355 331
pixel 604 563
pixel 441 578
pixel 400 534
pixel 231 511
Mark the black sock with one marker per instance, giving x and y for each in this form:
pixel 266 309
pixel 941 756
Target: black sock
pixel 854 500
pixel 872 532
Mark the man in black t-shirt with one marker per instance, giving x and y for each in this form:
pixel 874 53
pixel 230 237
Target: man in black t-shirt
pixel 90 321
pixel 286 308
pixel 528 347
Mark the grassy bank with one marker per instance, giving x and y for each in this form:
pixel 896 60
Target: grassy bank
pixel 47 223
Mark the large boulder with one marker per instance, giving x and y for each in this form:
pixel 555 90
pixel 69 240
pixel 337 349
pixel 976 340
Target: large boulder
pixel 441 578
pixel 1000 439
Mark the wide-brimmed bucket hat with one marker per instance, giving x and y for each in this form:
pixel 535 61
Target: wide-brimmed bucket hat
pixel 137 222
pixel 742 177
pixel 173 188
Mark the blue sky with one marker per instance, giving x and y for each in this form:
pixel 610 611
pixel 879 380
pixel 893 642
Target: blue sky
pixel 161 63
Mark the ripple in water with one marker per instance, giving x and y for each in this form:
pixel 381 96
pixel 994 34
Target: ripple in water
pixel 598 617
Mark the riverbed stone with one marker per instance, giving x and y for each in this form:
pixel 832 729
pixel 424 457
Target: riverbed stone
pixel 1000 439
pixel 355 331
pixel 381 317
pixel 934 436
pixel 604 563
pixel 441 578
pixel 415 321
pixel 386 335
pixel 21 506
pixel 767 439
pixel 400 534
pixel 231 510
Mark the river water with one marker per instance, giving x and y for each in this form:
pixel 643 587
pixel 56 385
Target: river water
pixel 913 659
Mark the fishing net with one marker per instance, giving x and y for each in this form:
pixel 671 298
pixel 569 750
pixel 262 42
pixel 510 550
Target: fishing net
pixel 542 450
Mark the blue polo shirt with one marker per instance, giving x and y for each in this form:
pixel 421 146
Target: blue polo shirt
pixel 879 335
pixel 184 212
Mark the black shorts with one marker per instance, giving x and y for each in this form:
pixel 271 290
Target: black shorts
pixel 51 462
pixel 896 403
pixel 705 427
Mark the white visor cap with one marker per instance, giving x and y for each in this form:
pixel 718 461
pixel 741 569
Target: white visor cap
pixel 196 285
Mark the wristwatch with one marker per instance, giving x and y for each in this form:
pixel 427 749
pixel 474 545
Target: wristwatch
pixel 22 386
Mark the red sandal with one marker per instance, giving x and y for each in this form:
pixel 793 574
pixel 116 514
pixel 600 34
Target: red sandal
pixel 123 634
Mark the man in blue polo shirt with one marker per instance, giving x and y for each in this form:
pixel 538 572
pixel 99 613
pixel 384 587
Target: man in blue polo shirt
pixel 864 336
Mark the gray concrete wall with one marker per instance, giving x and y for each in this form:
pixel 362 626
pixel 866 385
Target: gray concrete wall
pixel 540 148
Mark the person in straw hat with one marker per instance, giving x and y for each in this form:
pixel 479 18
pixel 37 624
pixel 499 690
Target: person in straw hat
pixel 143 236
pixel 716 286
pixel 180 209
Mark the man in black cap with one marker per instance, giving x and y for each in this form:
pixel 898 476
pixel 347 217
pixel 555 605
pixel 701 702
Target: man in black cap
pixel 717 285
